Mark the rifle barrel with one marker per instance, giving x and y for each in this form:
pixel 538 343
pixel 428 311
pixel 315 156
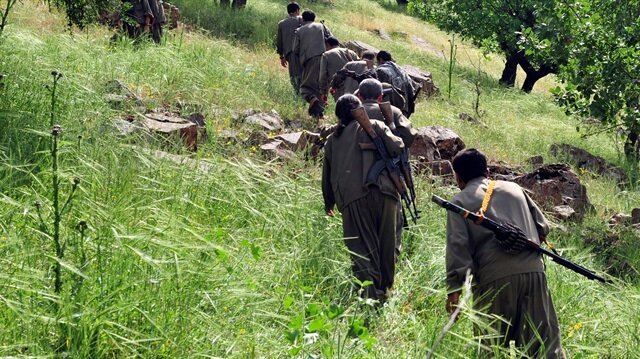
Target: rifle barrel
pixel 494 226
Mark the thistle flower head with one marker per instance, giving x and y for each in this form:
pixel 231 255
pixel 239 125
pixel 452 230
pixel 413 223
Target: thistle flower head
pixel 56 130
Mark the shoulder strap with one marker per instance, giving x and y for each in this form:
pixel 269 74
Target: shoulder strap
pixel 485 201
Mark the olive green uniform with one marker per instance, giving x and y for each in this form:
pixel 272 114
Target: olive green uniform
pixel 136 17
pixel 284 46
pixel 512 286
pixel 368 209
pixel 349 84
pixel 332 61
pixel 308 45
pixel 391 73
pixel 404 130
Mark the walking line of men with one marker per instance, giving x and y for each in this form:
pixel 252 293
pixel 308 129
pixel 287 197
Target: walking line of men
pixel 510 287
pixel 318 64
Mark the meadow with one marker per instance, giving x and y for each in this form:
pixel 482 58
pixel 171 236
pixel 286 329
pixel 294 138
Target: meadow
pixel 237 259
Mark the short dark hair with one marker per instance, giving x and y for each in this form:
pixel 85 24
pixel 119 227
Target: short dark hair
pixel 345 104
pixel 384 56
pixel 469 164
pixel 308 15
pixel 293 7
pixel 332 41
pixel 368 55
pixel 370 89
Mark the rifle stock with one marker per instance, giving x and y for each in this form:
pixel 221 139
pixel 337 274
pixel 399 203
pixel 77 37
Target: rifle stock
pixel 360 115
pixel 495 227
pixel 405 166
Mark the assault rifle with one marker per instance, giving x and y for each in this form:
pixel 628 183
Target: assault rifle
pixel 405 166
pixel 386 161
pixel 514 238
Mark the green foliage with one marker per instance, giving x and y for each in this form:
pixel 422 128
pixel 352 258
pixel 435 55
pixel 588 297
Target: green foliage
pixel 4 14
pixel 533 33
pixel 252 25
pixel 82 13
pixel 602 76
pixel 225 254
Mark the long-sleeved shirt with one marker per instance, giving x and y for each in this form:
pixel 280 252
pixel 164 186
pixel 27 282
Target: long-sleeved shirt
pixel 475 247
pixel 308 41
pixel 332 61
pixel 346 165
pixel 286 33
pixel 404 128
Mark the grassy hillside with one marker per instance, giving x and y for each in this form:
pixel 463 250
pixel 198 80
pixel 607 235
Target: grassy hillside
pixel 237 259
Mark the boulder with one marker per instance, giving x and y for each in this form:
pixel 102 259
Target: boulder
pixel 424 78
pixel 298 141
pixel 171 125
pixel 359 47
pixel 447 143
pixel 556 185
pixel 585 160
pixel 620 219
pixel 441 168
pixel 424 148
pixel 266 121
pixel 276 149
pixel 502 171
pixel 564 212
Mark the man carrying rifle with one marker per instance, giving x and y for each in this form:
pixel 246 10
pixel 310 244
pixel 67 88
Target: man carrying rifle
pixel 370 92
pixel 507 284
pixel 368 207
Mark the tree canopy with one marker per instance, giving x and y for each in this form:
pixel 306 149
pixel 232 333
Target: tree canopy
pixel 531 33
pixel 603 75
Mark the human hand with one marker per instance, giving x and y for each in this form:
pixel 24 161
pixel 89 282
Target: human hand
pixel 452 302
pixel 283 62
pixel 330 212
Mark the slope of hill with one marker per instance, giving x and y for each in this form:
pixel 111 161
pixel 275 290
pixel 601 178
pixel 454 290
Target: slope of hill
pixel 237 259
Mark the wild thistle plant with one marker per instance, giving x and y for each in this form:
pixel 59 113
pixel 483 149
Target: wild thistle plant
pixel 58 210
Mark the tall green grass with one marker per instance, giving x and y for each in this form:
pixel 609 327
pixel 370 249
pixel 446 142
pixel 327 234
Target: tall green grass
pixel 232 256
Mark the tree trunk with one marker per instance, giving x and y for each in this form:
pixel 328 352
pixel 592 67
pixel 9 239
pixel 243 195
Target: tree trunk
pixel 533 74
pixel 631 146
pixel 508 78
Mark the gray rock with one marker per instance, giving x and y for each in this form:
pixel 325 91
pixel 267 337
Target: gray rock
pixel 266 121
pixel 172 125
pixel 275 149
pixel 359 47
pixel 564 212
pixel 555 185
pixel 423 77
pixel 447 143
pixel 585 160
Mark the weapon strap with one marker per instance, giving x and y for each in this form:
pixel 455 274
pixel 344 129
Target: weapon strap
pixel 485 202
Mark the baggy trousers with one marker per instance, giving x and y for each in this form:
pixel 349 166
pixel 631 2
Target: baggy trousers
pixel 523 301
pixel 369 228
pixel 310 85
pixel 295 71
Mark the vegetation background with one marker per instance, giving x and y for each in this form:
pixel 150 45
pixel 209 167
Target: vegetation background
pixel 234 257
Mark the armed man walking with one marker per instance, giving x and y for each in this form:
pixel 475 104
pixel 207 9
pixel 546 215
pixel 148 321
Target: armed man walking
pixel 388 71
pixel 370 92
pixel 368 208
pixel 346 79
pixel 308 45
pixel 284 44
pixel 509 285
pixel 333 59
